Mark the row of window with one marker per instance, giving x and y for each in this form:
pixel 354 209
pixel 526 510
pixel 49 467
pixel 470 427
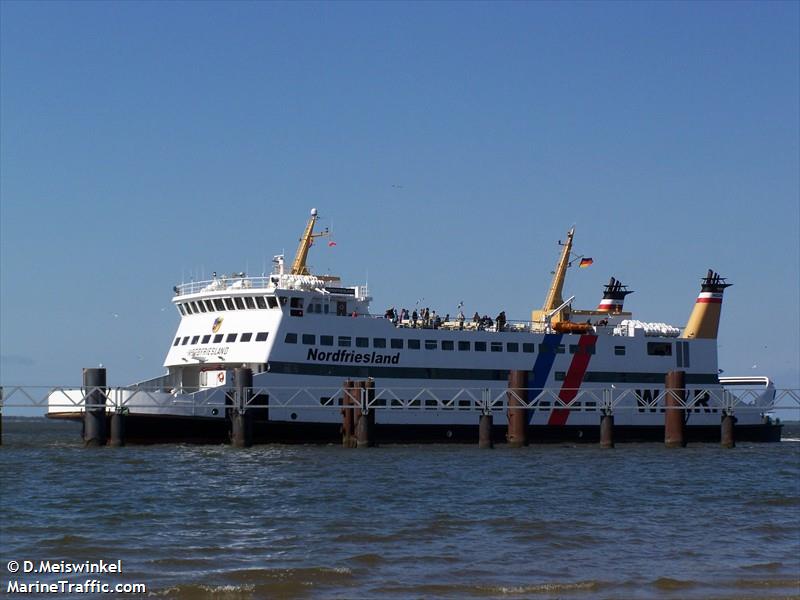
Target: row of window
pixel 255 302
pixel 261 336
pixel 231 303
pixel 346 341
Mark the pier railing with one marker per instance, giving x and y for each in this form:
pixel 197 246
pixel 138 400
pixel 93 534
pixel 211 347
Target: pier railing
pixel 193 401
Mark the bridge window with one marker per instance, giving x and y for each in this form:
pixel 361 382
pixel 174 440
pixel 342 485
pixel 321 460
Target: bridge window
pixel 218 338
pixel 512 347
pixel 185 341
pixel 229 304
pixel 448 345
pixel 345 341
pixel 206 339
pixel 201 305
pixel 218 304
pixel 309 339
pixel 480 346
pixel 362 342
pixel 231 338
pixel 413 344
pixel 397 343
pixel 261 336
pixel 326 340
pixel 177 341
pixel 619 350
pixel 209 305
pixel 180 309
pixel 188 308
pixel 291 338
pixel 238 302
pixel 379 342
pixel 296 303
pixel 529 348
pixel 463 346
pixel 659 348
pixel 246 337
pixel 249 303
pixel 282 300
pixel 272 302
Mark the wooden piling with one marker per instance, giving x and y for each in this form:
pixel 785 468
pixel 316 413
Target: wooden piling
pixel 94 413
pixel 485 430
pixel 117 437
pixel 727 437
pixel 517 435
pixel 241 417
pixel 607 430
pixel 349 395
pixel 365 426
pixel 674 421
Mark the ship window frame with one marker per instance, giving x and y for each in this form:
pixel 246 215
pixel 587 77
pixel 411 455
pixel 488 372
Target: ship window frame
pixel 560 375
pixel 431 344
pixel 326 340
pixel 231 338
pixel 188 308
pixel 309 339
pixel 464 346
pixel 620 350
pixel 659 349
pixel 218 338
pixel 209 305
pixel 219 304
pixel 237 300
pixel 201 305
pixel 528 347
pixel 448 345
pixel 177 341
pixel 362 342
pixel 496 346
pixel 206 338
pixel 290 338
pixel 195 309
pixel 272 301
pixel 396 343
pixel 185 341
pixel 262 336
pixel 379 342
pixel 480 346
pixel 512 346
pixel 229 303
pixel 181 310
pixel 249 302
pixel 561 349
pixel 282 300
pixel 296 302
pixel 413 345
pixel 246 337
pixel 344 341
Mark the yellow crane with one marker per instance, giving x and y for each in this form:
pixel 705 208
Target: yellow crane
pixel 554 298
pixel 299 265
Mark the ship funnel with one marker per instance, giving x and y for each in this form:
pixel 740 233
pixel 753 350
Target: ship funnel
pixel 613 297
pixel 704 320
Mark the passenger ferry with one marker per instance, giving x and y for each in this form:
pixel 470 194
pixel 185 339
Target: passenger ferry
pixel 303 335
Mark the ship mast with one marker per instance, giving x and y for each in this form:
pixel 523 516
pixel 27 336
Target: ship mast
pixel 554 298
pixel 299 265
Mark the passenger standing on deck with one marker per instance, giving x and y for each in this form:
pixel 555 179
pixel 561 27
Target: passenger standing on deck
pixel 460 319
pixel 476 319
pixel 414 318
pixel 501 321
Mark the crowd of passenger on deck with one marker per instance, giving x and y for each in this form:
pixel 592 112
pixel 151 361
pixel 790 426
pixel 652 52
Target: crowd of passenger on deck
pixel 428 319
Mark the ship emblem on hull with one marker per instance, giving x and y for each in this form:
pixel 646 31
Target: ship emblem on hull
pixel 217 324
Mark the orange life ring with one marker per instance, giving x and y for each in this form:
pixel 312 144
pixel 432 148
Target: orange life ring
pixel 220 377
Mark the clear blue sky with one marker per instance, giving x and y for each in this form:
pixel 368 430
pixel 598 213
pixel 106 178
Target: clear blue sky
pixel 145 142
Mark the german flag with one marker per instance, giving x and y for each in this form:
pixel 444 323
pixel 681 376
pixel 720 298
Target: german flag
pixel 585 262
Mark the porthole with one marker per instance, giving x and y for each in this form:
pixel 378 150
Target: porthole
pixel 294 416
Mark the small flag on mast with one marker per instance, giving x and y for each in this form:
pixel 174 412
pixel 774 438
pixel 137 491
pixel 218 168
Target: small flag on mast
pixel 585 262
